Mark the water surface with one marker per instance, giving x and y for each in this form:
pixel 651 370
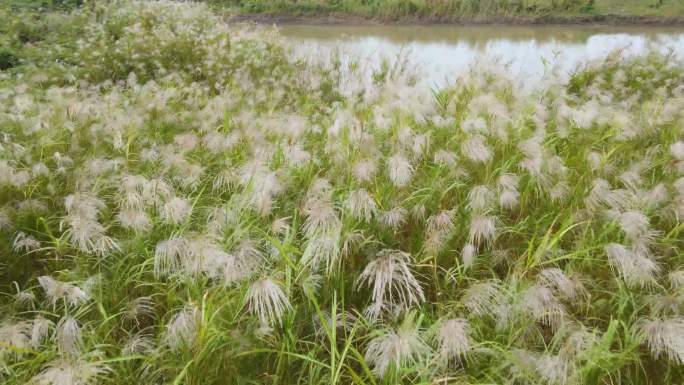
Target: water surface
pixel 442 52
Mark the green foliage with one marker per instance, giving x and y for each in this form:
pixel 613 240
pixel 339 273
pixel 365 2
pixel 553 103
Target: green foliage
pixel 8 59
pixel 458 9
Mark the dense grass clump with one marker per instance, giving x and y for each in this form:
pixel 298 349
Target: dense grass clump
pixel 181 202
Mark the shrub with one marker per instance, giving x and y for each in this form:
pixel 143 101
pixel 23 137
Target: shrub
pixel 8 58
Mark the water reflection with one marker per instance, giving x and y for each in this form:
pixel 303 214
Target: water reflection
pixel 442 52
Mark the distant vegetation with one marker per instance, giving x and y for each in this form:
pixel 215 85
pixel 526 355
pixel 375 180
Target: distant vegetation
pixel 459 9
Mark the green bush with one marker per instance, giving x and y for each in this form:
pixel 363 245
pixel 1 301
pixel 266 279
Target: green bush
pixel 8 59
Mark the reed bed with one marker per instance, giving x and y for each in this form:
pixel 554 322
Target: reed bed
pixel 183 202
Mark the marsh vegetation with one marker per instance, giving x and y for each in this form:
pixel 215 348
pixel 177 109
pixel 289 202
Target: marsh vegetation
pixel 182 201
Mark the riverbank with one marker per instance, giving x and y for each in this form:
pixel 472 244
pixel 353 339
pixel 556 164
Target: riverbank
pixel 608 12
pixel 348 19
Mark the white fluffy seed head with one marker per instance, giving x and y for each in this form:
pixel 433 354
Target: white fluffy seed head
pixel 633 266
pixel 677 150
pixel 508 199
pixel 441 222
pixel 480 198
pixel 176 210
pixel 361 205
pixel 664 337
pixel 482 230
pixel 266 299
pixel 394 218
pixel 399 170
pixel 476 149
pixel 364 170
pixel 454 339
pixel 480 298
pixel 555 278
pixel 183 327
pixel 68 336
pixel 541 305
pixel 391 279
pixel 394 349
pixel 468 255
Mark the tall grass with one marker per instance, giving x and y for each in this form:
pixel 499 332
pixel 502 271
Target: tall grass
pixel 184 203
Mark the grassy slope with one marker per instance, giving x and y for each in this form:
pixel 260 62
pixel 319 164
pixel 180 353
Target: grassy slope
pixel 465 9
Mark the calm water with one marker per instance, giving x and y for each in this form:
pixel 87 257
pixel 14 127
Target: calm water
pixel 441 53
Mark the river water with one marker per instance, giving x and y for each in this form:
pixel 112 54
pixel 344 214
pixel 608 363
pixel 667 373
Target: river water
pixel 439 53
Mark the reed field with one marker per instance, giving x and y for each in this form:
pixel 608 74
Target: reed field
pixel 183 201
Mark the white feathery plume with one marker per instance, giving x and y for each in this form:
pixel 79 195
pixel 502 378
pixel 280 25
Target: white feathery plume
pixel 361 205
pixel 594 159
pixel 442 222
pixel 280 226
pixel 445 158
pixel 540 304
pixel 296 156
pixel 243 261
pixel 263 187
pixel 84 205
pixel 139 308
pixel 400 170
pixel 555 278
pixel 559 191
pixel 664 337
pixel 508 199
pixel 394 218
pixel 39 331
pixel 140 343
pixel 56 290
pixel 480 298
pixel 393 283
pixel 183 327
pixel 475 149
pixel 676 278
pixel 24 242
pixel 418 212
pixel 634 267
pixel 365 170
pixel 88 235
pixel 454 339
pixel 84 231
pixel 68 336
pixel 396 348
pixel 482 229
pixel 468 255
pixel 70 372
pixel 553 369
pixel 320 216
pixel 508 182
pixel 134 219
pixel 14 334
pixel 419 146
pixel 266 299
pixel 480 198
pixel 25 297
pixel 323 248
pixel 168 256
pixel 636 226
pixel 677 150
pixel 176 210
